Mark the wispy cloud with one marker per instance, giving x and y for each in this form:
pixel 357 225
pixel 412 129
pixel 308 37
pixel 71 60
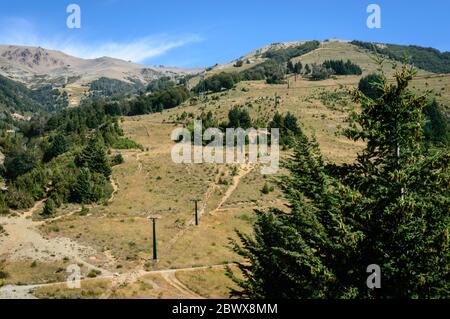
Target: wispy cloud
pixel 136 50
pixel 20 31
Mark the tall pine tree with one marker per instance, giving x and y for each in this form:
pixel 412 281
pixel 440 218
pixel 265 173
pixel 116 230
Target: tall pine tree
pixel 389 208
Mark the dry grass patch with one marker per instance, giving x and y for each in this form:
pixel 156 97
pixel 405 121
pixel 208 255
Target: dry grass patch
pixel 90 289
pixel 210 283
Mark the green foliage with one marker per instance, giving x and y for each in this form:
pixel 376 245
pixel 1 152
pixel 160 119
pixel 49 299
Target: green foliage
pixel 239 118
pixel 16 97
pixel 288 126
pixel 238 64
pixel 284 55
pixel 307 69
pixel 124 143
pixel 158 101
pixel 273 69
pixel 298 68
pixel 160 84
pixel 217 82
pixel 427 59
pixel 267 189
pixel 94 158
pixel 45 158
pixel 49 208
pixel 18 199
pixel 3 205
pixel 436 128
pixel 90 187
pixel 342 68
pixel 265 70
pixel 370 85
pixel 58 145
pixel 18 163
pixel 320 72
pixel 389 208
pixel 50 99
pixel 117 160
pixel 113 87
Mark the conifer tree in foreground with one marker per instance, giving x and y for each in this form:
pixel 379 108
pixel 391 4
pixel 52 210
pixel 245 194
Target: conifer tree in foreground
pixel 389 208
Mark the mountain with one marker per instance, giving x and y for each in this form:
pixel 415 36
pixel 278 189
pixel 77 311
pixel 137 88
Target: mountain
pixel 36 66
pixel 425 59
pixel 16 98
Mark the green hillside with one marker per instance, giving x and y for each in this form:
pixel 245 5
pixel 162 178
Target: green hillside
pixel 428 59
pixel 16 97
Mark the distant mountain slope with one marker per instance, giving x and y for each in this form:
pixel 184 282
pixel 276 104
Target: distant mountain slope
pixel 428 59
pixel 16 97
pixel 35 66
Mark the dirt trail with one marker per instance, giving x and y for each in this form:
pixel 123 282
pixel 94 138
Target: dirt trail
pixel 115 187
pixel 169 275
pixel 171 278
pixel 243 170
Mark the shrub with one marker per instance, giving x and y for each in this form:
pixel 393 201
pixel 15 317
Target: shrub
pixel 94 273
pixel 369 85
pixel 49 208
pixel 343 68
pixel 117 159
pixel 238 64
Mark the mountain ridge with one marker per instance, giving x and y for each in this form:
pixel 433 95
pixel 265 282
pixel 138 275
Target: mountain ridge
pixel 36 66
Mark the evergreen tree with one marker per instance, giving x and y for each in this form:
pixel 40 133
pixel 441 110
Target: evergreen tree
pixel 436 127
pixel 94 157
pixel 370 85
pixel 290 67
pixel 3 206
pixel 390 208
pixel 57 147
pixel 298 68
pixel 82 190
pixel 49 208
pixel 307 69
pixel 239 118
pixel 19 162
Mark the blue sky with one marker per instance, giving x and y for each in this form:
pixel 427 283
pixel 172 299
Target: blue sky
pixel 201 33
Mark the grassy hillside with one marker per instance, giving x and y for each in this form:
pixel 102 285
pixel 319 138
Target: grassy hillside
pixel 116 234
pixel 428 59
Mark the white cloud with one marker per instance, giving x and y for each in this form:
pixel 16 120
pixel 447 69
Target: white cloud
pixel 19 31
pixel 137 50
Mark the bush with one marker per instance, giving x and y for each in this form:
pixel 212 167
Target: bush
pixel 18 199
pixel 217 82
pixel 265 189
pixel 238 64
pixel 49 208
pixel 369 85
pixel 342 68
pixel 320 72
pixel 117 159
pixel 18 163
pixel 94 273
